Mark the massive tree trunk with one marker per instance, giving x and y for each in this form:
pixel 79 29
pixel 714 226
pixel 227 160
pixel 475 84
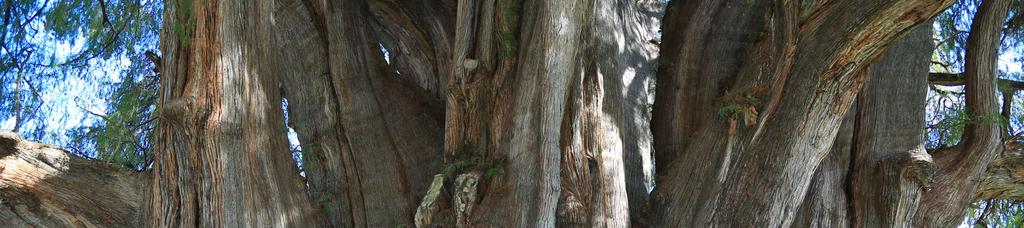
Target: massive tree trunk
pixel 536 130
pixel 369 144
pixel 877 168
pixel 752 95
pixel 533 113
pixel 220 153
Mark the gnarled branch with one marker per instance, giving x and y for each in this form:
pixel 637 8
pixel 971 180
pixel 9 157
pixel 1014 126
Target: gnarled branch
pixel 43 186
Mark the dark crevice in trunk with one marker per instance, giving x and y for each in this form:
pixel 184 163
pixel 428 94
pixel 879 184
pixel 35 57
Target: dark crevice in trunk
pixel 849 182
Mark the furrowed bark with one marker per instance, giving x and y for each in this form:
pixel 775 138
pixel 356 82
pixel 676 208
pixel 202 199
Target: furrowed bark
pixel 483 106
pixel 755 161
pixel 548 61
pixel 477 93
pixel 1004 178
pixel 961 168
pixel 313 114
pixel 418 37
pixel 691 47
pixel 371 143
pixel 877 168
pixel 623 34
pixel 827 203
pixel 220 156
pixel 891 169
pixel 44 186
pixel 603 163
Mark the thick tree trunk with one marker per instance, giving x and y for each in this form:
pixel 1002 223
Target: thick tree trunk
pixel 877 168
pixel 370 143
pixel 769 94
pixel 544 119
pixel 827 203
pixel 220 154
pixel 528 82
pixel 891 169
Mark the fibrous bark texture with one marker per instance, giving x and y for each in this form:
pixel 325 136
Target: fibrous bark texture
pixel 1004 178
pixel 545 112
pixel 891 168
pixel 961 167
pixel 827 203
pixel 877 167
pixel 751 96
pixel 220 153
pixel 370 145
pixel 44 186
pixel 534 113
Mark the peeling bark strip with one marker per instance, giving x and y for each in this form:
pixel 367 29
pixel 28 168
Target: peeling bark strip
pixel 221 158
pixel 43 186
pixel 756 175
pixel 961 168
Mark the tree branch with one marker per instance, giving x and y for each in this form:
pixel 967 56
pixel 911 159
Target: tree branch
pixel 1004 178
pixel 1015 22
pixel 44 186
pixel 103 11
pixel 982 140
pixel 957 79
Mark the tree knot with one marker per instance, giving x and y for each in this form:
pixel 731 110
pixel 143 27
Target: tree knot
pixel 918 166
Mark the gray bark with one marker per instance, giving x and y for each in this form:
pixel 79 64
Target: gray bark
pixel 891 169
pixel 877 168
pixel 779 102
pixel 961 168
pixel 370 143
pixel 827 203
pixel 545 116
pixel 44 186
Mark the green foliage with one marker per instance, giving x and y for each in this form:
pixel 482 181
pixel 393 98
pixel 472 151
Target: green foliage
pixel 493 171
pixel 457 167
pixel 952 126
pixel 124 136
pixel 731 109
pixel 996 213
pixel 186 21
pixel 46 45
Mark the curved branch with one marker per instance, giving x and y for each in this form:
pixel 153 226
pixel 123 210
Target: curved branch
pixel 954 190
pixel 43 186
